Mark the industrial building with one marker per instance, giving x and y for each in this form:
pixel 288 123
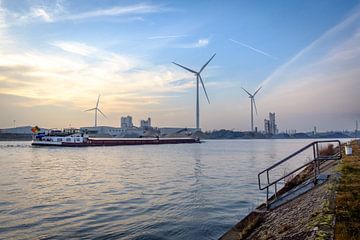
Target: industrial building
pixel 145 124
pixel 270 126
pixel 126 122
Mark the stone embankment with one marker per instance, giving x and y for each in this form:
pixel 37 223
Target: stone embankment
pixel 314 214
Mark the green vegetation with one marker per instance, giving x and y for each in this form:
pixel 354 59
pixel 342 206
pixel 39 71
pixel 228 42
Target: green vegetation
pixel 347 225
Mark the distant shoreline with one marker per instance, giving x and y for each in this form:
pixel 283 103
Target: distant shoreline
pixel 205 136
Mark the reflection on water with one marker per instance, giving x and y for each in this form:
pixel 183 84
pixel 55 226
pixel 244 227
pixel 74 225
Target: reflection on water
pixel 184 191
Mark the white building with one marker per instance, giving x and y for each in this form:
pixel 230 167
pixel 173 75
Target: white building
pixel 126 122
pixel 145 124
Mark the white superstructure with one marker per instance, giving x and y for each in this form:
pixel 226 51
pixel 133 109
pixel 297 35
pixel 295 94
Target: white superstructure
pixel 57 137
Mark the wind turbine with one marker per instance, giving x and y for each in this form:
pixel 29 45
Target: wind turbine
pixel 96 109
pixel 198 77
pixel 253 105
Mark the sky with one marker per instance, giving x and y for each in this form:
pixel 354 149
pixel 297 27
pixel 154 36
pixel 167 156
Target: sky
pixel 56 57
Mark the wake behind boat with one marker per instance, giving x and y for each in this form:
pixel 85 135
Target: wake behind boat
pixel 75 138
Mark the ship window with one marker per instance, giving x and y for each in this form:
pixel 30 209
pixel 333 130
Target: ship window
pixel 68 139
pixel 58 139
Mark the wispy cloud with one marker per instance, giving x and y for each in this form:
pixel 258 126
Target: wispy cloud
pixel 42 78
pixel 203 42
pixel 75 47
pixel 334 30
pixel 253 49
pixel 166 36
pixel 321 82
pixel 55 12
pixel 46 77
pixel 142 8
pixel 41 13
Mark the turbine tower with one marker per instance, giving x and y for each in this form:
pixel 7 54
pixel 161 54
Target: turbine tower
pixel 253 105
pixel 198 78
pixel 96 109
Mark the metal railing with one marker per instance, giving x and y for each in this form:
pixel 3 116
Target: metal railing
pixel 318 156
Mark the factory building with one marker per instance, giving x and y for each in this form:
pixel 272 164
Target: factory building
pixel 126 122
pixel 145 124
pixel 270 126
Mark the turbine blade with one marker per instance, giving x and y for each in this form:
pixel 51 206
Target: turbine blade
pixel 255 106
pixel 247 92
pixel 92 109
pixel 202 83
pixel 102 113
pixel 207 63
pixel 97 103
pixel 190 70
pixel 257 91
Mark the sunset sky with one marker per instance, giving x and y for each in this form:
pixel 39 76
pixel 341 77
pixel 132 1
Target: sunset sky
pixel 56 57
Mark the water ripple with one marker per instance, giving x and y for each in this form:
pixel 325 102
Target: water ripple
pixel 131 192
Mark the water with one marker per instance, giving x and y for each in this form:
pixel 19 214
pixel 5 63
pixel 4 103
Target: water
pixel 184 191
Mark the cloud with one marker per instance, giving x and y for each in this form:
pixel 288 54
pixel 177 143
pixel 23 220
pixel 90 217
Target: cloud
pixel 203 42
pixel 80 71
pixel 75 47
pixel 141 8
pixel 253 49
pixel 41 13
pixel 55 11
pixel 56 79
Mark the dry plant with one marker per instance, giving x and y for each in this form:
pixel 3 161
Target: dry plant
pixel 327 151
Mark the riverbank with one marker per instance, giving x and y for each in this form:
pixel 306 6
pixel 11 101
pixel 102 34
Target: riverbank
pixel 332 205
pixel 348 197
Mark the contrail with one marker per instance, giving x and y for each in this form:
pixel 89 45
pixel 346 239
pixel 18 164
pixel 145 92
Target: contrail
pixel 254 49
pixel 340 26
pixel 165 37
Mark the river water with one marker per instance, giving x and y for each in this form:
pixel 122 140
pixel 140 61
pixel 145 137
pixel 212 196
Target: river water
pixel 183 191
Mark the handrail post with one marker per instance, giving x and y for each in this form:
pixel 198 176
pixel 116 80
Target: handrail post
pixel 267 197
pixel 317 150
pixel 315 171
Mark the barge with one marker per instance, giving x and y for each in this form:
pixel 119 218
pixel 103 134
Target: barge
pixel 77 139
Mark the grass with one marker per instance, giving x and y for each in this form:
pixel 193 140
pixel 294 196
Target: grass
pixel 347 225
